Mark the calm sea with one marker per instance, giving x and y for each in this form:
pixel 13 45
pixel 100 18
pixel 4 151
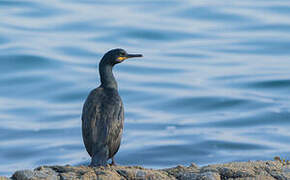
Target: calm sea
pixel 213 86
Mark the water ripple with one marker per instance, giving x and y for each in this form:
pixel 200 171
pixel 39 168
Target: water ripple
pixel 212 85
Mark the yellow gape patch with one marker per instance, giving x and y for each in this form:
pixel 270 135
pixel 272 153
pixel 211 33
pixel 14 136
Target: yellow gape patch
pixel 121 58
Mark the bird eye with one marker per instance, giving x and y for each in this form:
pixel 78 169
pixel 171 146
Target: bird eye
pixel 122 53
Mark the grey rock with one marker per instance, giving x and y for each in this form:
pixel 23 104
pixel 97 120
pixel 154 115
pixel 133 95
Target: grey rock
pixel 264 170
pixel 209 176
pixel 142 174
pixel 193 165
pixel 42 173
pixel 199 176
pixel 23 175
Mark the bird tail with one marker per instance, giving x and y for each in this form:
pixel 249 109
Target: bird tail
pixel 100 158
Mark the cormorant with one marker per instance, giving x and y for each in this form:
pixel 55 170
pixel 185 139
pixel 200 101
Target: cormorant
pixel 103 112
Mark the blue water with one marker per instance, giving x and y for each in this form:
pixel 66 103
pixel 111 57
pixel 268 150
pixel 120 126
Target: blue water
pixel 213 85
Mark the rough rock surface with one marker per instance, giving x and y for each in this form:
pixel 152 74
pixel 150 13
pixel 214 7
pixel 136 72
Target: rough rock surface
pixel 263 170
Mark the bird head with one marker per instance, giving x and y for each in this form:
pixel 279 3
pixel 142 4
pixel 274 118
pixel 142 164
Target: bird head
pixel 116 56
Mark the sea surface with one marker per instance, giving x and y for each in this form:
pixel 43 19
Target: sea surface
pixel 213 86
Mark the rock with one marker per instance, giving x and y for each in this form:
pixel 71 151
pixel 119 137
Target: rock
pixel 39 173
pixel 264 170
pixel 193 165
pixel 141 173
pixel 192 172
pixel 253 170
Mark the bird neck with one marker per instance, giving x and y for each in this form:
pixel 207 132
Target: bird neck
pixel 107 78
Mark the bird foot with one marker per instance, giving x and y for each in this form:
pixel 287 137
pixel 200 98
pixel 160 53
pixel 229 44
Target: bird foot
pixel 113 163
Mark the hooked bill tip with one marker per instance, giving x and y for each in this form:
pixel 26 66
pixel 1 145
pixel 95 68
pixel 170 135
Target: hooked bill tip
pixel 134 55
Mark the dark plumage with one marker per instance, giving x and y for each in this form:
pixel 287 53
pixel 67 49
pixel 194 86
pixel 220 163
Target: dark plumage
pixel 103 112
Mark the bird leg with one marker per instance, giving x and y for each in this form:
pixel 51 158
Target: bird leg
pixel 96 161
pixel 99 157
pixel 113 163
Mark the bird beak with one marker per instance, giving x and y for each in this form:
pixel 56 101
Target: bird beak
pixel 133 55
pixel 122 58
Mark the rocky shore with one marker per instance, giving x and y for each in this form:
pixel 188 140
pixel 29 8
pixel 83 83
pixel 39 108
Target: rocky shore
pixel 260 170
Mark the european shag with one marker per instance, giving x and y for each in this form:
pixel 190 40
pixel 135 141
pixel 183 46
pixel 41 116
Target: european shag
pixel 103 112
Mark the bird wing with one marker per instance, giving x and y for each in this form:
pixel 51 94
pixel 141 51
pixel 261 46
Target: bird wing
pixel 91 116
pixel 116 128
